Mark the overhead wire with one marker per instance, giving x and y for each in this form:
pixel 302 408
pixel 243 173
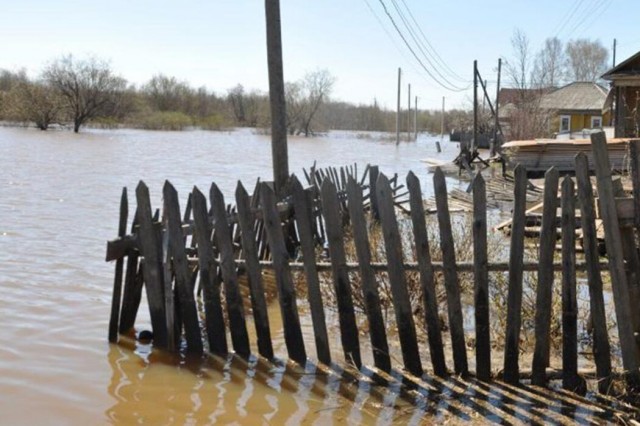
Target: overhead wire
pixel 408 45
pixel 420 45
pixel 437 56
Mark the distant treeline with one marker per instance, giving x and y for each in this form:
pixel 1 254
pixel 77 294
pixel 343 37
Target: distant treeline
pixel 74 92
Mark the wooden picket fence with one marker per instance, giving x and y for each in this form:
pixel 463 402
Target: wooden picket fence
pixel 158 253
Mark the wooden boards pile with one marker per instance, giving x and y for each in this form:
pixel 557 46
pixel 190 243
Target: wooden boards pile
pixel 541 154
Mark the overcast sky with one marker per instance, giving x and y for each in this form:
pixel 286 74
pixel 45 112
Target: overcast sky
pixel 220 43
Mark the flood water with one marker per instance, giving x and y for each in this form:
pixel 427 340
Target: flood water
pixel 59 195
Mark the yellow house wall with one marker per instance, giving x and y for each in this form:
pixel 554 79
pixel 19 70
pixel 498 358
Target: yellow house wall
pixel 580 121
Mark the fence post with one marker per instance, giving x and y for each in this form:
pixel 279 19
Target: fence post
pixel 430 301
pixel 179 259
pixel 133 283
pixel 601 348
pixel 303 218
pixel 514 298
pixel 628 344
pixel 235 309
pixel 152 270
pixel 570 378
pixel 377 331
pixel 117 280
pixel 256 287
pixel 209 281
pixel 286 292
pixel 548 237
pixel 397 279
pixel 481 275
pixel 335 237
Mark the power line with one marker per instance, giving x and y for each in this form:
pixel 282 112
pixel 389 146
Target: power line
pixel 435 52
pixel 420 45
pixel 422 65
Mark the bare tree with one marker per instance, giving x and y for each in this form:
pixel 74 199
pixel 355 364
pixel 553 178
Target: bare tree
pixel 586 60
pixel 304 98
pixel 518 67
pixel 169 94
pixel 549 65
pixel 89 87
pixel 34 102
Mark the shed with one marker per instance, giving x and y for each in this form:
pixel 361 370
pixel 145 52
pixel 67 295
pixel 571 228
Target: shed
pixel 625 81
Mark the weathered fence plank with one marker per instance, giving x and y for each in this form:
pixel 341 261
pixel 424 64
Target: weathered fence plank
pixel 188 308
pixel 152 267
pixel 634 156
pixel 335 237
pixel 514 298
pixel 377 332
pixel 628 345
pixel 373 193
pixel 132 287
pixel 481 276
pixel 286 292
pixel 601 347
pixel 427 282
pixel 546 250
pixel 256 286
pixel 397 279
pixel 209 282
pixel 117 280
pixel 570 378
pixel 303 218
pixel 235 309
pixel 451 283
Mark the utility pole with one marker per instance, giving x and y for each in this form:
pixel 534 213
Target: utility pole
pixel 441 128
pixel 496 143
pixel 409 114
pixel 614 52
pixel 279 152
pixel 415 120
pixel 398 110
pixel 475 106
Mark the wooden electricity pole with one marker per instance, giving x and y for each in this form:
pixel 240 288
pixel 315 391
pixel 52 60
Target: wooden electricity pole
pixel 495 146
pixel 409 114
pixel 398 110
pixel 279 152
pixel 475 106
pixel 415 120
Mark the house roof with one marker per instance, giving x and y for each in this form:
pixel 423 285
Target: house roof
pixel 580 95
pixel 508 95
pixel 628 67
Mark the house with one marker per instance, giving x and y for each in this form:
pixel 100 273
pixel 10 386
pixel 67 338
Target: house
pixel 577 107
pixel 625 81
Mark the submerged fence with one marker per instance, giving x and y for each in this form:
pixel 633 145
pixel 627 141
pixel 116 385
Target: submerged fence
pixel 171 256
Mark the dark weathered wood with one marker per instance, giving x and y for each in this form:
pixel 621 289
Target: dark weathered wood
pixel 628 344
pixel 153 276
pixel 117 280
pixel 377 332
pixel 634 156
pixel 601 347
pixel 546 250
pixel 256 287
pixel 303 218
pixel 451 283
pixel 133 283
pixel 632 262
pixel 286 292
pixel 182 276
pixel 514 298
pixel 335 237
pixel 171 300
pixel 427 282
pixel 235 309
pixel 373 194
pixel 209 282
pixel 570 378
pixel 481 278
pixel 397 278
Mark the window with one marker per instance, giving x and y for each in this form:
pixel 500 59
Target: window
pixel 565 123
pixel 596 122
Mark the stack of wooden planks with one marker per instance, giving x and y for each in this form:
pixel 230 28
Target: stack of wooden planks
pixel 540 154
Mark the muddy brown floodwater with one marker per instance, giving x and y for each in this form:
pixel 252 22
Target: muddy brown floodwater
pixel 59 195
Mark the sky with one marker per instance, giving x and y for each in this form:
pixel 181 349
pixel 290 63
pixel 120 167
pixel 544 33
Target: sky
pixel 222 43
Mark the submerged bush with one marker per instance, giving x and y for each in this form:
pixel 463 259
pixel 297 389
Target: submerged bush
pixel 164 120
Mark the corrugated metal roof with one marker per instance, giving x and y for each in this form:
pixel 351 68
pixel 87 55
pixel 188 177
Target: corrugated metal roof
pixel 576 96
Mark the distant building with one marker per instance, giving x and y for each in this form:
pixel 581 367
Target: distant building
pixel 625 81
pixel 577 107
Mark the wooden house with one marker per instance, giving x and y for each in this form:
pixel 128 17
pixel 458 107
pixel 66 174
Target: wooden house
pixel 625 81
pixel 577 107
